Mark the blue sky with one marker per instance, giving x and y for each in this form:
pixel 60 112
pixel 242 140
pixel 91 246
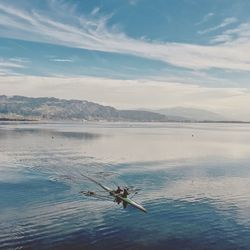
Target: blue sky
pixel 118 52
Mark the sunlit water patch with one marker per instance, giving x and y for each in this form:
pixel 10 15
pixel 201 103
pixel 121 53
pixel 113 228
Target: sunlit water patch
pixel 194 181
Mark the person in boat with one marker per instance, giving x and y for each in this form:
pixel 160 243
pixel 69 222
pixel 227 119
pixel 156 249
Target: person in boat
pixel 117 198
pixel 118 190
pixel 125 193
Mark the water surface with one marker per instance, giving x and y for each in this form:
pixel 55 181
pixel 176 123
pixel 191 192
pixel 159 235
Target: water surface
pixel 194 181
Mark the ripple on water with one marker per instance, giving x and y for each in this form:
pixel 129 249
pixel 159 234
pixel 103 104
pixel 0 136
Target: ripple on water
pixel 190 204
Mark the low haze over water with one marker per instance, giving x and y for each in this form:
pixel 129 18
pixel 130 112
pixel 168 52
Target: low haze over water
pixel 194 181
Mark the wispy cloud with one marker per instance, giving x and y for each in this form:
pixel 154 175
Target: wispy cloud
pixel 95 10
pixel 206 18
pixel 239 35
pixel 7 67
pixel 92 33
pixel 61 60
pixel 225 23
pixel 9 64
pixel 133 2
pixel 19 60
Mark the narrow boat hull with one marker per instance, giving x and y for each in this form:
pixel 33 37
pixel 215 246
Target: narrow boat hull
pixel 134 204
pixel 129 201
pixel 111 192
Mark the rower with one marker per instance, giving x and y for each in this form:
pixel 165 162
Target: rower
pixel 125 193
pixel 118 190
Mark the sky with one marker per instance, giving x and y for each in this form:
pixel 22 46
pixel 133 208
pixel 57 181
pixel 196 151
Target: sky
pixel 129 53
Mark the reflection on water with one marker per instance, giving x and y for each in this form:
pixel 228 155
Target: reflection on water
pixel 194 180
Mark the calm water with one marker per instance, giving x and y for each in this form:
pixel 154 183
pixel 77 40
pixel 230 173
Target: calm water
pixel 195 181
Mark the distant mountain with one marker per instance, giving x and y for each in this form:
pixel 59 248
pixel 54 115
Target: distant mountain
pixel 191 114
pixel 144 113
pixel 20 107
pixel 44 108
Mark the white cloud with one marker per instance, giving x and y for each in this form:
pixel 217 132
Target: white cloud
pixel 206 18
pixel 93 33
pixel 132 93
pixel 61 60
pixel 19 60
pixel 7 67
pixel 9 64
pixel 239 36
pixel 133 2
pixel 95 11
pixel 225 23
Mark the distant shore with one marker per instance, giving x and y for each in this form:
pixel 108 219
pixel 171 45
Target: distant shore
pixel 17 120
pixel 100 121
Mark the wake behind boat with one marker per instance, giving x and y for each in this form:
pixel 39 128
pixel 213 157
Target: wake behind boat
pixel 119 195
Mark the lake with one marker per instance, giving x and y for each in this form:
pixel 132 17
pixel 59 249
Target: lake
pixel 194 181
